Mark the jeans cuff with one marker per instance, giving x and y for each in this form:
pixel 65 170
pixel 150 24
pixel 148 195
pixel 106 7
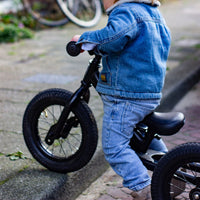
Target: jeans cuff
pixel 141 186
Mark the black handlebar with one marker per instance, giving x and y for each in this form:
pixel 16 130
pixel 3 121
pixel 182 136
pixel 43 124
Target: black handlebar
pixel 73 49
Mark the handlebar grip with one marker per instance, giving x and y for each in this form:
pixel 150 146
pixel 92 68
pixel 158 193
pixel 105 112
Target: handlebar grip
pixel 73 49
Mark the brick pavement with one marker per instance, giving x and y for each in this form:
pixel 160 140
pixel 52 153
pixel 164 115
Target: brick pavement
pixel 190 106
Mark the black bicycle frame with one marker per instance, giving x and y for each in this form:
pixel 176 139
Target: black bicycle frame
pixel 90 78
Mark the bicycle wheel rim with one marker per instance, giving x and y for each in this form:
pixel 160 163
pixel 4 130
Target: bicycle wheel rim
pixel 81 21
pixel 33 8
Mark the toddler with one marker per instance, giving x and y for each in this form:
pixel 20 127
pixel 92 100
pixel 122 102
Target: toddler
pixel 134 47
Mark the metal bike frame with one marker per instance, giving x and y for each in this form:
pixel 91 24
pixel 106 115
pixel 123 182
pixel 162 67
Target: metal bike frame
pixel 90 78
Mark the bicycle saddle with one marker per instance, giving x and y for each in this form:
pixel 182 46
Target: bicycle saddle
pixel 165 123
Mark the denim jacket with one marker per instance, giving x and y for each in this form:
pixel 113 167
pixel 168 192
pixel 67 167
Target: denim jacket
pixel 134 46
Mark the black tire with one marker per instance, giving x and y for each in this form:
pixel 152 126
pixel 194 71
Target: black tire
pixel 86 14
pixel 183 160
pixel 65 154
pixel 45 12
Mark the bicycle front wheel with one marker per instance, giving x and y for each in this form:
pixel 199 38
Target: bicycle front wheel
pixel 84 13
pixel 45 12
pixel 177 175
pixel 66 153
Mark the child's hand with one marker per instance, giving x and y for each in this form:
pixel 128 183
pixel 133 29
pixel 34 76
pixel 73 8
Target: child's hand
pixel 76 38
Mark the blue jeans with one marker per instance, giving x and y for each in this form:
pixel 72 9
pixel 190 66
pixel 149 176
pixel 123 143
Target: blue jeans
pixel 120 118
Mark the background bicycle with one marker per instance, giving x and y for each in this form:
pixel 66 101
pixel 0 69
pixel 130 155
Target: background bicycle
pixel 85 13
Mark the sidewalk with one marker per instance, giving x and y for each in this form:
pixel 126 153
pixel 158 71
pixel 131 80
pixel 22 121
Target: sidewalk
pixel 30 66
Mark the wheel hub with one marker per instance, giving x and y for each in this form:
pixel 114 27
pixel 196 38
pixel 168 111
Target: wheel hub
pixel 195 194
pixel 51 135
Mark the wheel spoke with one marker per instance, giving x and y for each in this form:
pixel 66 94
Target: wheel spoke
pixel 47 119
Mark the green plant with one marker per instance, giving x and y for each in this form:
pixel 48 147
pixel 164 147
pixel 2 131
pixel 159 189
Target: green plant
pixel 197 46
pixel 12 33
pixel 16 156
pixel 7 33
pixel 28 21
pixel 9 19
pixel 24 33
pixel 17 19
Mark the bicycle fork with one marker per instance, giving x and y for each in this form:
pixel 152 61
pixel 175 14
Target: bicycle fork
pixel 64 125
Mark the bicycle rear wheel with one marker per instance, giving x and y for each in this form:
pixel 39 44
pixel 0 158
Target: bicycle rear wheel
pixel 45 12
pixel 84 13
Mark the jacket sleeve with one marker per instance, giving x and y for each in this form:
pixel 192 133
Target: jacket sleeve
pixel 121 28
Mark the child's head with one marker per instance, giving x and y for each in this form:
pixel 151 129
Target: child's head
pixel 118 0
pixel 108 3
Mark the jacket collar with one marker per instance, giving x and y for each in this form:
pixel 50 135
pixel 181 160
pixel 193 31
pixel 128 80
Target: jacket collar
pixel 156 3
